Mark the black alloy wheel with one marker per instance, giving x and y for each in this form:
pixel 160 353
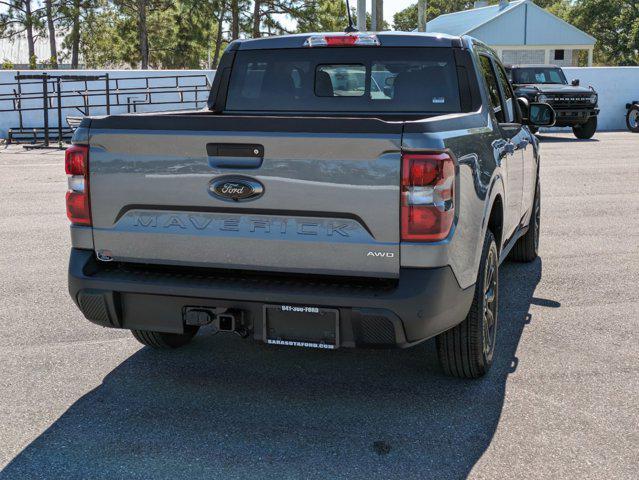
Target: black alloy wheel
pixel 491 294
pixel 467 350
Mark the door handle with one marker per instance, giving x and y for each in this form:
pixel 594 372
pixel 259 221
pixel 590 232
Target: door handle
pixel 504 147
pixel 235 155
pixel 509 148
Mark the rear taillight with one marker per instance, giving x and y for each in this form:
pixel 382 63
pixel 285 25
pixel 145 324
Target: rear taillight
pixel 76 164
pixel 345 40
pixel 428 196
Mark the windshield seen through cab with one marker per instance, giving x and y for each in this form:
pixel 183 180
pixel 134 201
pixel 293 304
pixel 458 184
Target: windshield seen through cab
pixel 538 75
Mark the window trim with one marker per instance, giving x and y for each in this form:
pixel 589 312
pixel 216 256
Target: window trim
pixel 496 109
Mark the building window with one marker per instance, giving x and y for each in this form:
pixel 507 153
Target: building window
pixel 559 54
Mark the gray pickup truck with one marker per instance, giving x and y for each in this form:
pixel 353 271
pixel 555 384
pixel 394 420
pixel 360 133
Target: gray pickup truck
pixel 340 190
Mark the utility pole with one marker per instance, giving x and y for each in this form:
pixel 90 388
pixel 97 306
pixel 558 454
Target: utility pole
pixel 377 15
pixel 208 60
pixel 421 15
pixel 361 15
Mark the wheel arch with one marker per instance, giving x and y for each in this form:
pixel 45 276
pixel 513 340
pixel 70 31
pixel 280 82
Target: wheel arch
pixel 495 211
pixel 496 221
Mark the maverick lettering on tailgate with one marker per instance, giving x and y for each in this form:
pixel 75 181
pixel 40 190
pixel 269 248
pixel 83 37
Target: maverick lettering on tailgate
pixel 224 223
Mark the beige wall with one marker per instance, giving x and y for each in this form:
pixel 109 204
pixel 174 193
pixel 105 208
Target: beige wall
pixel 537 56
pixel 517 54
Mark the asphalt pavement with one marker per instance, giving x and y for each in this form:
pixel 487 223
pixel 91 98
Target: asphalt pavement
pixel 81 402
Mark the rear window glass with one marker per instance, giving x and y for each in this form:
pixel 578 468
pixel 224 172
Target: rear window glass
pixel 393 80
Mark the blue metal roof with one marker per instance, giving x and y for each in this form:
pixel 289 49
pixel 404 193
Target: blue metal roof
pixel 460 23
pixel 519 22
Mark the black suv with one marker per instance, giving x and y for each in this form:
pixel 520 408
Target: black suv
pixel 576 106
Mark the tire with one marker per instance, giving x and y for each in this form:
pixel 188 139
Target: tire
pixel 527 247
pixel 165 341
pixel 466 351
pixel 632 119
pixel 587 130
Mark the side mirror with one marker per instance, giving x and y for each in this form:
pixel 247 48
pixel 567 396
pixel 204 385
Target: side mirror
pixel 541 115
pixel 575 82
pixel 524 105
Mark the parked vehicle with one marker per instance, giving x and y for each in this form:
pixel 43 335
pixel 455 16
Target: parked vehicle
pixel 576 106
pixel 308 205
pixel 632 117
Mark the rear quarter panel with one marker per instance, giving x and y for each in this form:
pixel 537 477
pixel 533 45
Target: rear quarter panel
pixel 479 181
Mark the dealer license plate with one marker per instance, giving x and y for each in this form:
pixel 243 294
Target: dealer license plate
pixel 301 326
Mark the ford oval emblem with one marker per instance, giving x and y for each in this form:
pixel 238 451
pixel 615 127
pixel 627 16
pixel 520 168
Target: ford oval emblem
pixel 236 189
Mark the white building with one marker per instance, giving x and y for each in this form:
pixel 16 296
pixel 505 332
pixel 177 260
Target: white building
pixel 520 32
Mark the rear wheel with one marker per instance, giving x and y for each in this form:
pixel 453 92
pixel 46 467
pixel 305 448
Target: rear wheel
pixel 632 119
pixel 586 130
pixel 164 341
pixel 467 350
pixel 527 247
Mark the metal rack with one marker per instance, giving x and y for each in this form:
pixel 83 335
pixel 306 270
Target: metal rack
pixel 62 94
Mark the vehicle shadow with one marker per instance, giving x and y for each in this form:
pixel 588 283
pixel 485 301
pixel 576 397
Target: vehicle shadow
pixel 227 408
pixel 549 139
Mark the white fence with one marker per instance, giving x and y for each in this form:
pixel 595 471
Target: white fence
pixel 616 87
pixel 136 79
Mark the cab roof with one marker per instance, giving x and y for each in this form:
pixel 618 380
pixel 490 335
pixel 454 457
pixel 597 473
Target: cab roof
pixel 386 39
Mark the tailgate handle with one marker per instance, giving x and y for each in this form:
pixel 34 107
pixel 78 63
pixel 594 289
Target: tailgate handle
pixel 235 155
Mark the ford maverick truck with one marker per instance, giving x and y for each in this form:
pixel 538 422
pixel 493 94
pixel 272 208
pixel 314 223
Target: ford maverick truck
pixel 575 106
pixel 340 190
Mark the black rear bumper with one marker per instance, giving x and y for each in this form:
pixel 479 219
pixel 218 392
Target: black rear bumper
pixel 420 305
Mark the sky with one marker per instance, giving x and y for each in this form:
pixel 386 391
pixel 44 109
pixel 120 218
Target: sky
pixel 391 7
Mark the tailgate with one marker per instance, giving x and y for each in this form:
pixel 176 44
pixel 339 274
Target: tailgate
pixel 325 202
